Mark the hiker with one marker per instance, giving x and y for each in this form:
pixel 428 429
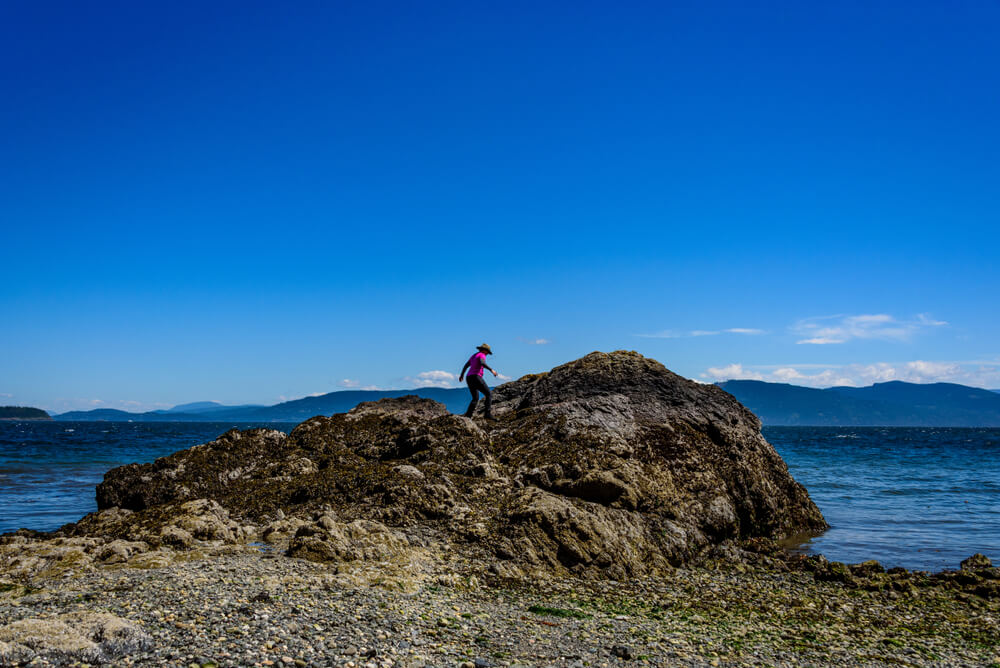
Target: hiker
pixel 475 366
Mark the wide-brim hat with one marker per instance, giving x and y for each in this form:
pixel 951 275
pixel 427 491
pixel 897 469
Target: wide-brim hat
pixel 485 348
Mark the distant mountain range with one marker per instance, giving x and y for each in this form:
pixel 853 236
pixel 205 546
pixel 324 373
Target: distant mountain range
pixel 892 404
pixel 289 411
pixel 883 404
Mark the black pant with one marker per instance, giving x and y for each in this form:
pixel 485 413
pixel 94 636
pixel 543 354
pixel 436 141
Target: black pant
pixel 477 385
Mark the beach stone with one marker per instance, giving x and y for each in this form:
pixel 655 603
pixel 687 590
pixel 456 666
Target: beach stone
pixel 118 551
pixel 978 560
pixel 409 471
pixel 205 519
pixel 330 540
pixel 176 537
pixel 622 652
pixel 867 568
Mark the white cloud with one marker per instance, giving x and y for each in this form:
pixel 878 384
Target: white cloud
pixel 436 378
pixel 980 373
pixel 827 330
pixel 925 319
pixel 63 404
pixel 821 340
pixel 731 372
pixel 674 334
pixel 539 342
pixel 665 334
pixel 350 384
pixel 6 395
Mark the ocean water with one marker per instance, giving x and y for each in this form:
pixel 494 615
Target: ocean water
pixel 49 470
pixel 921 498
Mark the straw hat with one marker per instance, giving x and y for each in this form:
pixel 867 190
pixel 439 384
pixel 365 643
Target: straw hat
pixel 485 348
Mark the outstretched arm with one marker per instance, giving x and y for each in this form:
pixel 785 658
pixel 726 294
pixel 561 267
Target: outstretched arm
pixel 462 375
pixel 488 368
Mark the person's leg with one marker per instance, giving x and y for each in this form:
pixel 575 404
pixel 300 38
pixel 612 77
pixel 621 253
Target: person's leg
pixel 479 384
pixel 475 396
pixel 489 399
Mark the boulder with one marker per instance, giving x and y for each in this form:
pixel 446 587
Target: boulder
pixel 330 540
pixel 975 562
pixel 89 637
pixel 608 466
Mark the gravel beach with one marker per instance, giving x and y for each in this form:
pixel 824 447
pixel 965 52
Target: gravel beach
pixel 242 606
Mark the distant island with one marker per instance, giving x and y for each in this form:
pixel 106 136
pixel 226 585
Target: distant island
pixel 23 413
pixel 892 404
pixel 455 400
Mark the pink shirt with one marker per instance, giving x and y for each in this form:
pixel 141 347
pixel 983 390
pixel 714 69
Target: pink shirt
pixel 476 364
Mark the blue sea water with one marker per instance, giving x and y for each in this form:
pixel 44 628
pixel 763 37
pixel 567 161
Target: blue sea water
pixel 918 497
pixel 49 470
pixel 922 498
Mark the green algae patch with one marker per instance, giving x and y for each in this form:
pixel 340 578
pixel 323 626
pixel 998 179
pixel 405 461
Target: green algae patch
pixel 558 612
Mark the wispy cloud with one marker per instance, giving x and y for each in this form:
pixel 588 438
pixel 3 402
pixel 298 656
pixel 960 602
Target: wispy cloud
pixel 351 384
pixel 535 342
pixel 64 404
pixel 675 334
pixel 6 395
pixel 836 329
pixel 976 373
pixel 731 372
pixel 436 378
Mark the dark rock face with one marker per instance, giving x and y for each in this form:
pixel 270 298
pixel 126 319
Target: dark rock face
pixel 610 465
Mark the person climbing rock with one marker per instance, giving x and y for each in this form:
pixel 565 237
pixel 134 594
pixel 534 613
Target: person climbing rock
pixel 475 367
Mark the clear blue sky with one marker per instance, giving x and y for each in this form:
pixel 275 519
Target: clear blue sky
pixel 252 201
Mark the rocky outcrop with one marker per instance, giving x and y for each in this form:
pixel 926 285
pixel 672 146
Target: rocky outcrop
pixel 86 637
pixel 608 466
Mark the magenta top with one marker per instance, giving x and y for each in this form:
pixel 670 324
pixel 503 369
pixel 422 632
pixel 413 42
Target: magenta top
pixel 476 364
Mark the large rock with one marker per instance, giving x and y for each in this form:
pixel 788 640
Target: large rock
pixel 610 465
pixel 329 540
pixel 89 637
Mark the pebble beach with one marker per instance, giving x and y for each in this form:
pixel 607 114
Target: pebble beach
pixel 240 606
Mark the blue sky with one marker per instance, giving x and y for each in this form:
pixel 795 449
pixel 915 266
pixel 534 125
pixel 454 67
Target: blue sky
pixel 249 202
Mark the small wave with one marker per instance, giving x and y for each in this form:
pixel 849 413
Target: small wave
pixel 69 429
